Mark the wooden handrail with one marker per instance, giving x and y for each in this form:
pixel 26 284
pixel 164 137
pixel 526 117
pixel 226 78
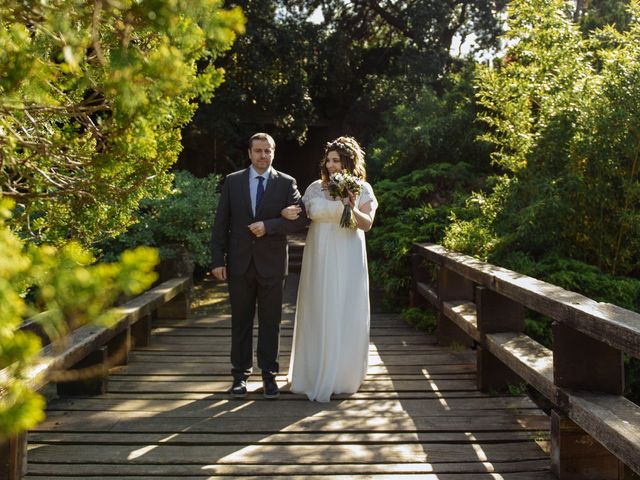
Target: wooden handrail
pixel 95 349
pixel 587 405
pixel 616 326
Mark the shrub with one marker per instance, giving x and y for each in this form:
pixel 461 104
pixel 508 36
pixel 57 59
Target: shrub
pixel 70 290
pixel 422 319
pixel 180 220
pixel 413 208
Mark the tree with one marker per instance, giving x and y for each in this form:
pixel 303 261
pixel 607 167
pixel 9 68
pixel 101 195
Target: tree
pixel 563 112
pixel 596 14
pixel 92 99
pixel 426 29
pixel 267 81
pixel 432 129
pixel 344 74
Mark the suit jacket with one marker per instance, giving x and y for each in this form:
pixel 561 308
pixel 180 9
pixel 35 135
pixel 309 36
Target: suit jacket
pixel 233 245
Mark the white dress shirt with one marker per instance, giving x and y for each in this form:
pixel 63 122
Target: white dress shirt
pixel 253 185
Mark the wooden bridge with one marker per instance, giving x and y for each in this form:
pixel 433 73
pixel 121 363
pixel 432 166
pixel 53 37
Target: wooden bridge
pixel 166 414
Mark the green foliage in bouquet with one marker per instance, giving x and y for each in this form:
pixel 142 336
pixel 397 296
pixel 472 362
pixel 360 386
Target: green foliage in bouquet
pixel 70 290
pixel 180 219
pixel 93 98
pixel 341 184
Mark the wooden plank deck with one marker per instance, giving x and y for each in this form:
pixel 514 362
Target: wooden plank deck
pixel 167 415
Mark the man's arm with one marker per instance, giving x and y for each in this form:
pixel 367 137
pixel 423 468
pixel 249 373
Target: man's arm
pixel 220 229
pixel 282 226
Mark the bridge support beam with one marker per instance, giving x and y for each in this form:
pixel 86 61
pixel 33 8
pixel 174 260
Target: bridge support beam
pixel 176 308
pixel 13 457
pixel 495 314
pixel 88 377
pixel 141 332
pixel 452 286
pixel 119 347
pixel 575 455
pixel 582 363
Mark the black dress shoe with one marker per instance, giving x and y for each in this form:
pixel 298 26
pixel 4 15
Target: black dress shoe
pixel 239 388
pixel 271 389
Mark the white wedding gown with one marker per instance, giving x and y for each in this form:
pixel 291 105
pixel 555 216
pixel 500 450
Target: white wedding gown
pixel 331 335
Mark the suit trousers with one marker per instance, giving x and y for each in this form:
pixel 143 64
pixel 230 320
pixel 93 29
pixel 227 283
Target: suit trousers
pixel 244 292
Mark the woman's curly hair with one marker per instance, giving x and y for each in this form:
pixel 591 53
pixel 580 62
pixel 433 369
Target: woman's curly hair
pixel 351 157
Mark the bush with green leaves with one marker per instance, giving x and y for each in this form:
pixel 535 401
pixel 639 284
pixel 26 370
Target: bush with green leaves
pixel 413 208
pixel 181 219
pixel 70 290
pixel 93 98
pixel 431 127
pixel 424 164
pixel 422 319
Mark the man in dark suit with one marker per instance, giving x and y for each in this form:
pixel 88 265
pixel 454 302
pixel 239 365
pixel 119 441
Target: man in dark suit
pixel 249 249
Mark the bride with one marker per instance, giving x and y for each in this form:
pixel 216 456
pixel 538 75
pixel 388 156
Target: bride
pixel 331 333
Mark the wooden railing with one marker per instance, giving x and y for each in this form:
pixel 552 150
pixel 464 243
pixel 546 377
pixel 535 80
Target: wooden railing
pixel 79 363
pixel 595 431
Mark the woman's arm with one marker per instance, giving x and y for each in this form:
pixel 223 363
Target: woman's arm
pixel 364 214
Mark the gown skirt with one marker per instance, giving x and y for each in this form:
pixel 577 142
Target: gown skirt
pixel 331 335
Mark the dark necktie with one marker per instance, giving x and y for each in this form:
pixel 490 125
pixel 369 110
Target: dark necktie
pixel 260 191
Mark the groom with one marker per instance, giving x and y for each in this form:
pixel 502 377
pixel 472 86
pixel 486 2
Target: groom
pixel 249 249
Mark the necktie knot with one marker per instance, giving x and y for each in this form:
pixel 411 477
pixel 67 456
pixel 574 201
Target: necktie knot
pixel 260 191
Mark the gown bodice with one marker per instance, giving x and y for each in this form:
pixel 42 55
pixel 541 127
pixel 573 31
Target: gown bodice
pixel 327 210
pixel 320 209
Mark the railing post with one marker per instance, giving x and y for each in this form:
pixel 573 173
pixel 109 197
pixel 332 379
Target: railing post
pixel 92 376
pixel 141 332
pixel 118 348
pixel 177 308
pixel 13 457
pixel 495 314
pixel 452 286
pixel 583 363
pixel 417 275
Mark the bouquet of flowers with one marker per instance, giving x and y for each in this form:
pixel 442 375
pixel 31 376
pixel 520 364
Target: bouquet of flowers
pixel 340 185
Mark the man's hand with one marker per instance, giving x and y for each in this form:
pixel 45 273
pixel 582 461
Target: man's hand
pixel 220 273
pixel 258 229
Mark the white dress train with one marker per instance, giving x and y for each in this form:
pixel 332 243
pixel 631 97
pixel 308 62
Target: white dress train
pixel 331 335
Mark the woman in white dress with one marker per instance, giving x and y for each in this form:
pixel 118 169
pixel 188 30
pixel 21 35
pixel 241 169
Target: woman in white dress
pixel 331 335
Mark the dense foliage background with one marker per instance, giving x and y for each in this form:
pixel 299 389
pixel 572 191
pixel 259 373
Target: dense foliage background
pixel 177 223
pixel 342 73
pixel 93 96
pixel 559 197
